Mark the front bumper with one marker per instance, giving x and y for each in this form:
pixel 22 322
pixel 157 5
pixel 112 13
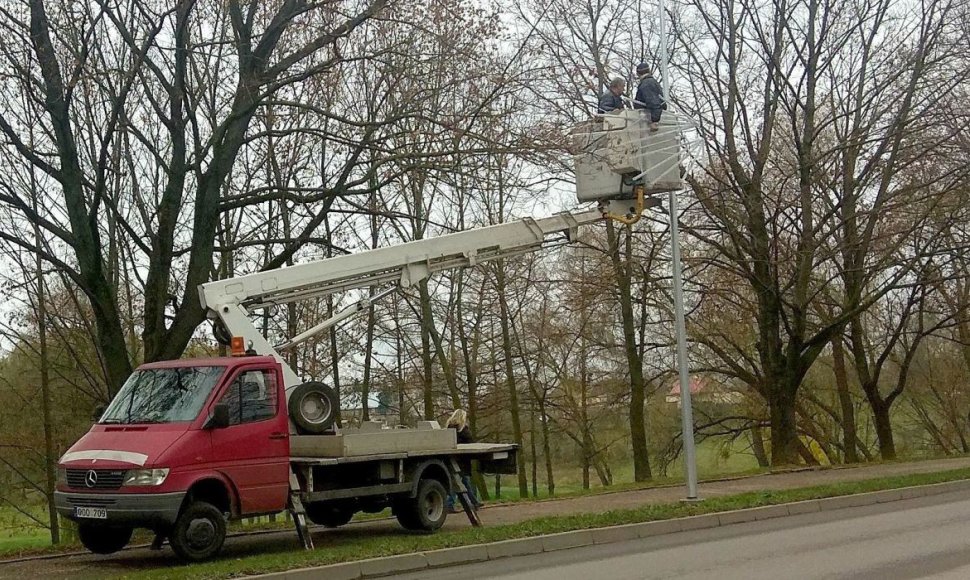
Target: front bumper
pixel 149 510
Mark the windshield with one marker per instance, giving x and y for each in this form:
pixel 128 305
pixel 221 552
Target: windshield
pixel 162 395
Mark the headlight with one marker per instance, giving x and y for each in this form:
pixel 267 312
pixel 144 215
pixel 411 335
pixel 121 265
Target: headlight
pixel 61 476
pixel 146 476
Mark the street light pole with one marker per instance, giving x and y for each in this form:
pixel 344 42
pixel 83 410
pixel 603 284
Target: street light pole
pixel 687 412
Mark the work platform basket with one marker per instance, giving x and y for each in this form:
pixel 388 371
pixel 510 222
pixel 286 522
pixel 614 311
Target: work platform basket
pixel 618 151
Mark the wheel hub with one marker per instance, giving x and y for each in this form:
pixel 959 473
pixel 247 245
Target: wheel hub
pixel 434 506
pixel 200 533
pixel 315 408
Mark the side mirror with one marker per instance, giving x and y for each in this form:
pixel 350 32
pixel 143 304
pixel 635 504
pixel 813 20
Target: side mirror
pixel 96 414
pixel 219 417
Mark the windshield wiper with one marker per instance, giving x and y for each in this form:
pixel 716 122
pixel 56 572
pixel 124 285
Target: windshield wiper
pixel 110 422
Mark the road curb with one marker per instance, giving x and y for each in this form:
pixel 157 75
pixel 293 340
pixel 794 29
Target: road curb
pixel 377 567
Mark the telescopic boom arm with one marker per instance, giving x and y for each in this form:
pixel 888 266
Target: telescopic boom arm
pixel 231 301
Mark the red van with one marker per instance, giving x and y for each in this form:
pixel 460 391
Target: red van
pixel 187 445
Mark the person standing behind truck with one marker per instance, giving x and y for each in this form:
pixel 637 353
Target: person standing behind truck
pixel 459 422
pixel 650 96
pixel 612 99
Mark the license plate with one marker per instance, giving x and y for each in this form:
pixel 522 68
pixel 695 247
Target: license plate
pixel 91 513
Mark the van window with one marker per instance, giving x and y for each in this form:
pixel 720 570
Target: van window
pixel 162 395
pixel 251 397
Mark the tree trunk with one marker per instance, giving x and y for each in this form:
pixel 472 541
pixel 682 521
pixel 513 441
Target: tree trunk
pixel 426 323
pixel 402 417
pixel 758 446
pixel 806 453
pixel 532 448
pixel 546 449
pixel 784 432
pixel 603 472
pixel 368 360
pixel 334 350
pixel 849 438
pixel 584 414
pixel 446 369
pixel 469 354
pixel 623 278
pixel 50 453
pixel 510 372
pixel 884 431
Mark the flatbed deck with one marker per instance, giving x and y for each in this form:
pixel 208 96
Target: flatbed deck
pixel 461 450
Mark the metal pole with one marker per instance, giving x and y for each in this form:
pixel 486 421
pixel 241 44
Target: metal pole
pixel 686 410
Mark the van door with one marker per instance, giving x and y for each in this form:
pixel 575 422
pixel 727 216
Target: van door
pixel 253 451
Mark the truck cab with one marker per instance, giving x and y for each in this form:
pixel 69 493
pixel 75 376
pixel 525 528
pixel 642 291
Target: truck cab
pixel 208 437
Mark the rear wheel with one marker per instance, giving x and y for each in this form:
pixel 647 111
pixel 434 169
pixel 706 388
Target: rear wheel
pixel 426 511
pixel 198 533
pixel 102 539
pixel 328 514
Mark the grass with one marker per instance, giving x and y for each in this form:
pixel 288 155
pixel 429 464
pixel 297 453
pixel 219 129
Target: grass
pixel 19 533
pixel 20 536
pixel 714 461
pixel 370 544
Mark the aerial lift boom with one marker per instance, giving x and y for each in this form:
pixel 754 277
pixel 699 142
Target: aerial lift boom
pixel 619 164
pixel 230 302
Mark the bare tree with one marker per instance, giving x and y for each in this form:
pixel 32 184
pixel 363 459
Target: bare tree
pixel 777 221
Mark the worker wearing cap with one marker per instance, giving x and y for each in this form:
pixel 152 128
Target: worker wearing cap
pixel 650 97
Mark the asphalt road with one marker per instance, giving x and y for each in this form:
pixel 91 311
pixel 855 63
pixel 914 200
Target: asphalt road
pixel 922 538
pixel 131 561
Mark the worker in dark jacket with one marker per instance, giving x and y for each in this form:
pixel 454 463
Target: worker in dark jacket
pixel 459 422
pixel 650 97
pixel 612 99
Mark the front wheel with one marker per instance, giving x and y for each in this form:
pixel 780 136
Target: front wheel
pixel 426 511
pixel 102 539
pixel 199 532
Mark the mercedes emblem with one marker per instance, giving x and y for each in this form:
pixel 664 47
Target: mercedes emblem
pixel 91 478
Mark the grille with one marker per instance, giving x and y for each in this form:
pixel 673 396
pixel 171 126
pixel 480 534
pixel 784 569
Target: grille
pixel 90 501
pixel 106 478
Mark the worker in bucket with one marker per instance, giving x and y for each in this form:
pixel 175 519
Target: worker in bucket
pixel 650 97
pixel 612 99
pixel 459 422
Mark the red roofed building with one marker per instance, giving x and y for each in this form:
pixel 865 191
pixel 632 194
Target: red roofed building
pixel 704 390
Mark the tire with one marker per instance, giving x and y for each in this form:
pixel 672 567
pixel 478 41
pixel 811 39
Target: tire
pixel 313 407
pixel 328 514
pixel 198 533
pixel 405 515
pixel 221 333
pixel 425 512
pixel 103 539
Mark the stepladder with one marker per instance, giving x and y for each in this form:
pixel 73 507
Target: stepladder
pixel 464 494
pixel 298 512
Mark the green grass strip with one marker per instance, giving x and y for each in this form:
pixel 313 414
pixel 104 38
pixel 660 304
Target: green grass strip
pixel 359 545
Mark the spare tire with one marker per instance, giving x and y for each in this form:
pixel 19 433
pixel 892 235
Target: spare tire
pixel 221 333
pixel 313 407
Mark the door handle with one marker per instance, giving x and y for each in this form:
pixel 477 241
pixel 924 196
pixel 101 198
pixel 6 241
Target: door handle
pixel 278 435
